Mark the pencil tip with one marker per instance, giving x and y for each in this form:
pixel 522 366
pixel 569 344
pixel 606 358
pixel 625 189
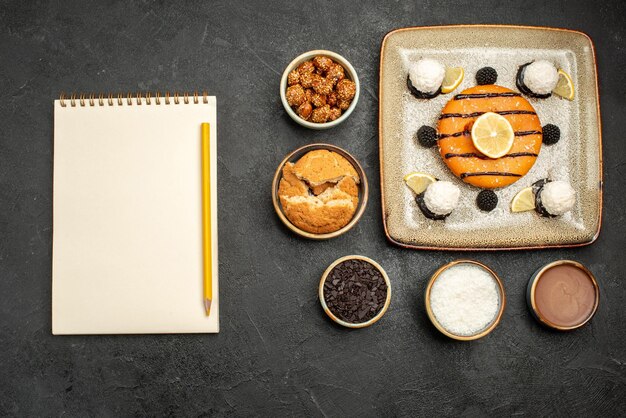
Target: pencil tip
pixel 207 306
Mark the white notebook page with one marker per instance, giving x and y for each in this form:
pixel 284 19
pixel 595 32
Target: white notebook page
pixel 127 226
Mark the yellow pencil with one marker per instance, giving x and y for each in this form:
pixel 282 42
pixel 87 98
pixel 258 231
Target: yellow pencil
pixel 206 217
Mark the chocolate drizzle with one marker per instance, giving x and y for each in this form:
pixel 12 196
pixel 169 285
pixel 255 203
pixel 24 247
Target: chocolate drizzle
pixel 466 133
pixel 483 157
pixel 485 95
pixel 526 133
pixel 476 114
pixel 462 133
pixel 489 173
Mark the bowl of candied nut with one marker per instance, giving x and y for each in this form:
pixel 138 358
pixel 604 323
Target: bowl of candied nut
pixel 319 89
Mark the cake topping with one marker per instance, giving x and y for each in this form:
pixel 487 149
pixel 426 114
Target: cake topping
pixel 419 182
pixel 319 193
pixel 441 197
pixel 492 135
pixel 557 197
pixel 426 76
pixel 486 75
pixel 551 134
pixel 487 200
pixel 427 136
pixel 523 201
pixel 565 86
pixel 540 77
pixel 548 198
pixel 452 79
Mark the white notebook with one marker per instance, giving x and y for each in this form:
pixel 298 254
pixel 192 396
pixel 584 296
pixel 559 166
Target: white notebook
pixel 127 216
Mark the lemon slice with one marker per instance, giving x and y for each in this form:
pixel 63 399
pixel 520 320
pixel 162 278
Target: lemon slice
pixel 564 86
pixel 492 135
pixel 452 79
pixel 523 201
pixel 419 182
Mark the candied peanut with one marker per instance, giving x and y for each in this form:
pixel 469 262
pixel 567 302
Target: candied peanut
pixel 335 73
pixel 304 110
pixel 295 95
pixel 293 78
pixel 323 63
pixel 319 90
pixel 331 99
pixel 321 114
pixel 318 100
pixel 343 104
pixel 346 89
pixel 335 112
pixel 306 67
pixel 322 86
pixel 307 79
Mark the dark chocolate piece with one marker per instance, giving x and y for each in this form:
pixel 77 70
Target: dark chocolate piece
pixel 355 291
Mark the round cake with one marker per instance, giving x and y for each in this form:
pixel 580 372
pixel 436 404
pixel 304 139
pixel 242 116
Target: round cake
pixel 319 193
pixel 455 141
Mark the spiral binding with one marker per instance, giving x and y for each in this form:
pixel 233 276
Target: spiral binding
pixel 129 99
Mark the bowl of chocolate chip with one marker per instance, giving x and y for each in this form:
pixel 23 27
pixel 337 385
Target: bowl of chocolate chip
pixel 355 291
pixel 319 89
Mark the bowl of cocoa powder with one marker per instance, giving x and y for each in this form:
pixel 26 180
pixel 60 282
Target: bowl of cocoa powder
pixel 355 291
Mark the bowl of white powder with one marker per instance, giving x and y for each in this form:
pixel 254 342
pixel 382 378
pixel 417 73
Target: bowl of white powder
pixel 465 300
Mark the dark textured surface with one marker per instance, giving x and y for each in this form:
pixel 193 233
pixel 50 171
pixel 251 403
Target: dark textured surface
pixel 277 353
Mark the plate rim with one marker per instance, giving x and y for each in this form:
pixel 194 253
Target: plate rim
pixel 489 248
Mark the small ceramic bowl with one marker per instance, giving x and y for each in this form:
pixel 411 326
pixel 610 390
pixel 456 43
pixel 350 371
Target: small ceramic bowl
pixel 363 191
pixel 350 73
pixel 481 333
pixel 532 285
pixel 350 324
